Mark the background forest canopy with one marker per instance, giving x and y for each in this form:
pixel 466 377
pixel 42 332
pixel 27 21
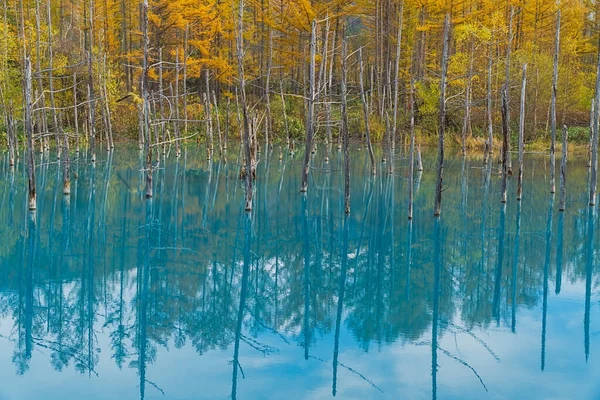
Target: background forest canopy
pixel 193 73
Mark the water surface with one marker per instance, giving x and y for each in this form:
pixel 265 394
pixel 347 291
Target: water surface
pixel 108 295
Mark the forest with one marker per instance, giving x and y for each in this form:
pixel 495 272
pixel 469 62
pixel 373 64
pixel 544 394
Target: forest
pixel 87 60
pixel 169 72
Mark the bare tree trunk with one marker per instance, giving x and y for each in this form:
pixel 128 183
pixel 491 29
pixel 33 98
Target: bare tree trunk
pixel 246 128
pixel 507 84
pixel 29 133
pixel 268 121
pixel 218 123
pixel 226 134
pixel 76 112
pixel 176 101
pixel 366 113
pixel 209 122
pixel 442 120
pixel 145 101
pixel 594 171
pixel 590 144
pixel 344 120
pixel 12 149
pixel 311 108
pixel 411 175
pixel 505 141
pixel 111 141
pixel 466 128
pixel 38 72
pixel 161 102
pixel 397 75
pixel 489 147
pixel 208 125
pixel 563 170
pixel 553 107
pixel 285 120
pixel 91 94
pixel 185 55
pixel 521 132
pixel 55 127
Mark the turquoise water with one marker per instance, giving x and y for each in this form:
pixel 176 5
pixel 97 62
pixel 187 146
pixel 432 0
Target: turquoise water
pixel 106 295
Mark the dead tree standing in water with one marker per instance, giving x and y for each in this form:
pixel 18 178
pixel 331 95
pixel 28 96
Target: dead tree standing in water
pixel 397 77
pixel 248 175
pixel 442 120
pixel 344 125
pixel 145 102
pixel 508 158
pixel 310 127
pixel 590 144
pixel 412 151
pixel 29 132
pixel 594 169
pixel 489 147
pixel 91 94
pixel 553 108
pixel 366 112
pixel 521 133
pixel 505 141
pixel 563 170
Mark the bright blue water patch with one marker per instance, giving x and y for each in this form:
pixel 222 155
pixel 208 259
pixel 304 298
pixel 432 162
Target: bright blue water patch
pixel 108 295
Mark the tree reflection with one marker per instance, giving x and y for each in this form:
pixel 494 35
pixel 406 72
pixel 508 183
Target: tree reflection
pixel 184 270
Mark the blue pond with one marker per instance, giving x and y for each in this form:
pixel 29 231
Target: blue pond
pixel 107 295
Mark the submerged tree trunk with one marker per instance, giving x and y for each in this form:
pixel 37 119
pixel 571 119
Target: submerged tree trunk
pixel 563 170
pixel 442 120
